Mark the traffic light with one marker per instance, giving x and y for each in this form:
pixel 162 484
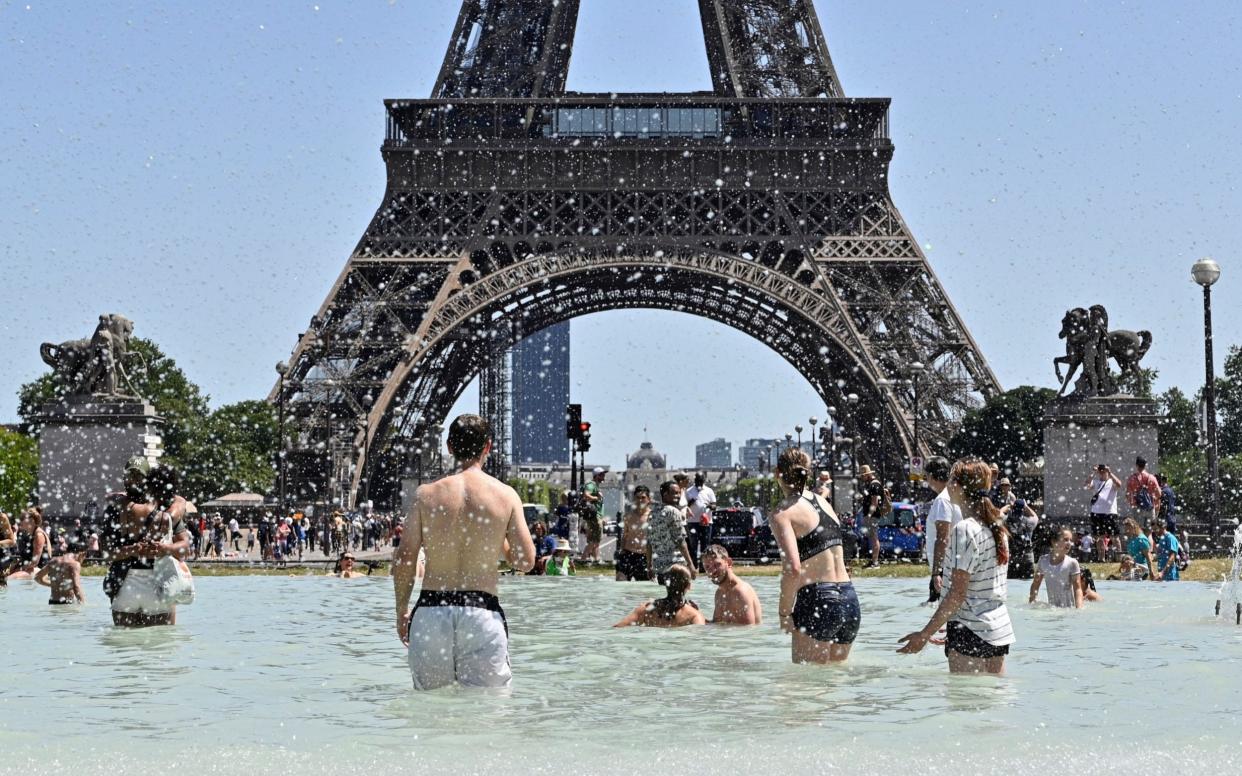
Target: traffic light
pixel 584 441
pixel 573 420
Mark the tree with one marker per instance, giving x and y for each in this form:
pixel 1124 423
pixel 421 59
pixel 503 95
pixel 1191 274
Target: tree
pixel 1178 424
pixel 233 450
pixel 1007 430
pixel 1187 474
pixel 19 470
pixel 1229 404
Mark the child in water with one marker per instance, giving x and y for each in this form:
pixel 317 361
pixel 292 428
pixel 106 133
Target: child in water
pixel 560 564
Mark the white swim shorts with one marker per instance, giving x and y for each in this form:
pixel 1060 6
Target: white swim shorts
pixel 138 595
pixel 458 636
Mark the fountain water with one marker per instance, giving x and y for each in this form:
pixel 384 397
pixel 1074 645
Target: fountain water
pixel 1230 597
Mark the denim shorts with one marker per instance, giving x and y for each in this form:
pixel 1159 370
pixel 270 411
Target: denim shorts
pixel 828 611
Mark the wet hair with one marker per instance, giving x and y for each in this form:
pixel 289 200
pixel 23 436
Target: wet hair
pixel 666 487
pixel 642 489
pixel 677 583
pixel 937 468
pixel 717 551
pixel 467 436
pixel 794 468
pixel 162 484
pixel 974 477
pixel 1088 578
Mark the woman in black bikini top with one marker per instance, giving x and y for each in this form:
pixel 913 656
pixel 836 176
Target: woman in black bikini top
pixel 818 607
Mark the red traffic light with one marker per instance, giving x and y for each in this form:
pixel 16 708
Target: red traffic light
pixel 584 428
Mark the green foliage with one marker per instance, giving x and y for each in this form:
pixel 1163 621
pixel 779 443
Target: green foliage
pixel 1229 404
pixel 19 470
pixel 233 450
pixel 1187 474
pixel 1139 385
pixel 1179 424
pixel 535 492
pixel 756 492
pixel 1006 430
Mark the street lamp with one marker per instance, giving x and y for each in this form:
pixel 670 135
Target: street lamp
pixel 798 428
pixel 282 369
pixel 788 441
pixel 367 401
pixel 814 421
pixel 916 370
pixel 1206 272
pixel 852 400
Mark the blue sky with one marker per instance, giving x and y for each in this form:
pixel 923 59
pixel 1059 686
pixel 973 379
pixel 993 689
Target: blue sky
pixel 207 169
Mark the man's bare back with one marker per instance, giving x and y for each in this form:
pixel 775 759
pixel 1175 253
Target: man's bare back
pixel 463 522
pixel 64 576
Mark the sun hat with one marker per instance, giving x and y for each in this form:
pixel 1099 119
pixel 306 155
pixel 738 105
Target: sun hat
pixel 562 545
pixel 865 470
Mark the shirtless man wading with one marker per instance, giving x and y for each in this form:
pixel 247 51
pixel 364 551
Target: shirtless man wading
pixel 632 557
pixel 457 631
pixel 736 601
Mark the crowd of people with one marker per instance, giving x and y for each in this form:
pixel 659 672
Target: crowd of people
pixel 459 525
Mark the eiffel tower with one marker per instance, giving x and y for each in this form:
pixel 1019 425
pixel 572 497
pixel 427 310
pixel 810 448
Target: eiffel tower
pixel 513 205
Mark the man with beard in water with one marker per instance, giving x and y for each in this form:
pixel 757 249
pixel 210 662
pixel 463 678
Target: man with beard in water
pixel 457 630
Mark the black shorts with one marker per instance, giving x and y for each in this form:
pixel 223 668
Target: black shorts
pixel 1103 525
pixel 828 611
pixel 963 641
pixel 633 566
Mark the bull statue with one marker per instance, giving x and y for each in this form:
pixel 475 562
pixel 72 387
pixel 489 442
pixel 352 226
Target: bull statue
pixel 95 366
pixel 1089 344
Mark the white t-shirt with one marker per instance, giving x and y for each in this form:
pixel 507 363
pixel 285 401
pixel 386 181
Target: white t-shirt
pixel 1060 579
pixel 1106 504
pixel 972 549
pixel 702 498
pixel 233 526
pixel 1086 543
pixel 941 511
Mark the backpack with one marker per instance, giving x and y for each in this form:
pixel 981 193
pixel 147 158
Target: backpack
pixel 1142 497
pixel 1183 557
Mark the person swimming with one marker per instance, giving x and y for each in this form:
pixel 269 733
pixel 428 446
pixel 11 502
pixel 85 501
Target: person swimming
pixel 674 610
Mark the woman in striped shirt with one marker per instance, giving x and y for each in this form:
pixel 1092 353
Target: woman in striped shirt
pixel 973 606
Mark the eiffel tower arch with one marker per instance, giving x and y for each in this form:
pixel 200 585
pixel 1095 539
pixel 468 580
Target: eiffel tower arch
pixel 513 205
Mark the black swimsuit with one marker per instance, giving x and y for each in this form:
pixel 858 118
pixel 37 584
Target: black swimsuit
pixel 825 611
pixel 822 537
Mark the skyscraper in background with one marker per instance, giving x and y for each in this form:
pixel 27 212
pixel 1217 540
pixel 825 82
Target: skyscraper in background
pixel 540 393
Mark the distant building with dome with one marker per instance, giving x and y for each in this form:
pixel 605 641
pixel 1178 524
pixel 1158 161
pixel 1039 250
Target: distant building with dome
pixel 646 457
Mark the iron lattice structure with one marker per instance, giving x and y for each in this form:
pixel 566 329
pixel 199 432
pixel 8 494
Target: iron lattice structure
pixel 513 205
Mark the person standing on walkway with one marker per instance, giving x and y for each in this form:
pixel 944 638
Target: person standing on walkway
pixel 593 516
pixel 1104 486
pixel 457 630
pixel 873 508
pixel 977 559
pixel 818 605
pixel 666 534
pixel 942 515
pixel 701 500
pixel 1143 492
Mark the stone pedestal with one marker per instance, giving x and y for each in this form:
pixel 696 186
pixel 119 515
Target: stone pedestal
pixel 1080 434
pixel 84 446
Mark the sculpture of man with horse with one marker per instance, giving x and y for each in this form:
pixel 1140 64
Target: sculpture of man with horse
pixel 1089 345
pixel 93 367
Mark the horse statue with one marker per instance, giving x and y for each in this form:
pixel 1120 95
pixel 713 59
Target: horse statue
pixel 1089 344
pixel 95 366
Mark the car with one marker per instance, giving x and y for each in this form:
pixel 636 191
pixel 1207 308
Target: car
pixel 535 513
pixel 745 534
pixel 900 531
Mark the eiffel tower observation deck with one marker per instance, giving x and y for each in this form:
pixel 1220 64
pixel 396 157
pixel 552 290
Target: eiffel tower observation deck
pixel 513 205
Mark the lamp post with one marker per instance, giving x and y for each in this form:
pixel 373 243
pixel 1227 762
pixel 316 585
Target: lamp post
pixel 282 369
pixel 1206 272
pixel 788 441
pixel 814 421
pixel 367 401
pixel 798 429
pixel 852 400
pixel 916 371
